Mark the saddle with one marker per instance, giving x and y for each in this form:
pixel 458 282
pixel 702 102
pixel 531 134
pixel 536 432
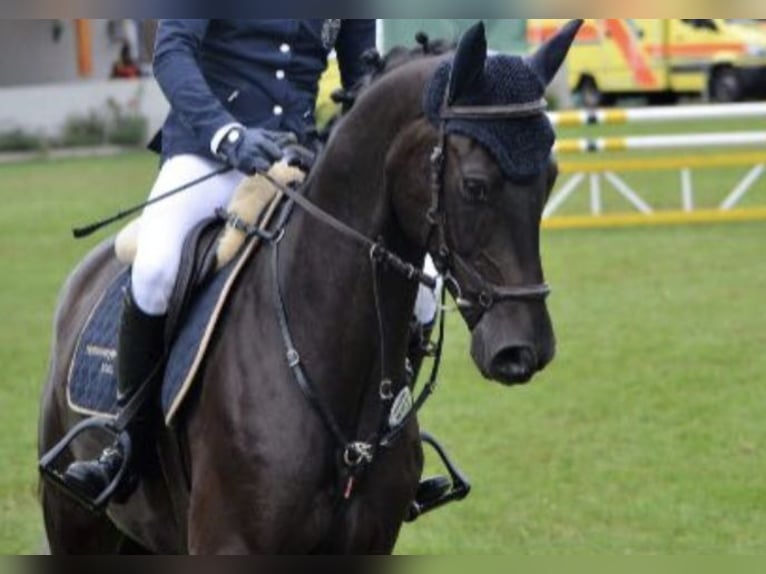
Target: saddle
pixel 214 254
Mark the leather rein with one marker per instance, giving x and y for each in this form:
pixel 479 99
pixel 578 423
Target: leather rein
pixel 476 296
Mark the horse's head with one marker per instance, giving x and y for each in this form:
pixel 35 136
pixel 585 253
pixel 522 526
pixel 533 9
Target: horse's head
pixel 492 174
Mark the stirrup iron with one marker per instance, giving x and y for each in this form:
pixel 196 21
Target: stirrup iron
pixel 438 491
pixel 53 474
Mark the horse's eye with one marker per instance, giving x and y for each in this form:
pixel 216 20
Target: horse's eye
pixel 476 190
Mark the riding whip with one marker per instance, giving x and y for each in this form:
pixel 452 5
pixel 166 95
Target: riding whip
pixel 82 232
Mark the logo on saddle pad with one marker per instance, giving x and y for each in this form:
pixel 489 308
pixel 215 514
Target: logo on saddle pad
pixel 107 355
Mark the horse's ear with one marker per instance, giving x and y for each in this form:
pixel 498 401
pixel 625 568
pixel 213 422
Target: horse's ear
pixel 548 59
pixel 468 64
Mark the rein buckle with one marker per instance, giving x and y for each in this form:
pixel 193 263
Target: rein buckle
pixel 293 358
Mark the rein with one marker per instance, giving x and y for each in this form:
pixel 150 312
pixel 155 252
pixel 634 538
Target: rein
pixel 397 411
pixel 474 296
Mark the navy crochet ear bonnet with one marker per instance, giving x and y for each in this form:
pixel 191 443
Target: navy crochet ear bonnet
pixel 521 146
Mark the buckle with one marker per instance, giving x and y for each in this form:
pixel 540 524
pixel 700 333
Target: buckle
pixel 358 454
pixel 293 358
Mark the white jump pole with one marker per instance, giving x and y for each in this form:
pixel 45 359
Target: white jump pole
pixel 701 140
pixel 657 114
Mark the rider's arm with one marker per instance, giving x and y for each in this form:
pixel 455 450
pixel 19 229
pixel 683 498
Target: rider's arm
pixel 179 76
pixel 356 37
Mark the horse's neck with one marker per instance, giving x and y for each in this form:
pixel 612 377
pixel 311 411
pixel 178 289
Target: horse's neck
pixel 327 276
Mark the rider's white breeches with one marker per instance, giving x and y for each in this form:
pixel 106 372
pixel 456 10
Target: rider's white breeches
pixel 163 228
pixel 428 301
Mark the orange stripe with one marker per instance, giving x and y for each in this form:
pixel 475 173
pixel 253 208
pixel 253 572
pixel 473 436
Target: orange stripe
pixel 632 52
pixel 694 49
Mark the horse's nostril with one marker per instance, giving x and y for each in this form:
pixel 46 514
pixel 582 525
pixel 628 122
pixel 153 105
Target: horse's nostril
pixel 514 365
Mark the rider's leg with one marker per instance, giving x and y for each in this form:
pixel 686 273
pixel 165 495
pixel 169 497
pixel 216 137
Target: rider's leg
pixel 421 327
pixel 162 231
pixel 423 320
pixel 164 226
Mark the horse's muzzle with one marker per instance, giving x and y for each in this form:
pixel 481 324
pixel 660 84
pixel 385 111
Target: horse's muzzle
pixel 512 344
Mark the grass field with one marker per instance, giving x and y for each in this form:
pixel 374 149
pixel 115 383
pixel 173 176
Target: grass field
pixel 646 436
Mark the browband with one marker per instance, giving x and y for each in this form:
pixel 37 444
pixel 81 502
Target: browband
pixel 510 111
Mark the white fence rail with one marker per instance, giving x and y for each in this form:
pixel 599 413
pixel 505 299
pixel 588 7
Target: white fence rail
pixel 661 142
pixel 743 149
pixel 658 114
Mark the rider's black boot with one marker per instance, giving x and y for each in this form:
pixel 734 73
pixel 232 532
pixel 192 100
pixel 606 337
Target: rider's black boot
pixel 140 351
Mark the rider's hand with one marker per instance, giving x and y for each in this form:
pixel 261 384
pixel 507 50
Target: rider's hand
pixel 253 149
pixel 299 156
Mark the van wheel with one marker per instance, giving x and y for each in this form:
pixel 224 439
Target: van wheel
pixel 725 85
pixel 590 95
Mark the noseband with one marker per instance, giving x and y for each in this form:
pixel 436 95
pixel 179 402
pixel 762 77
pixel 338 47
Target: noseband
pixel 475 296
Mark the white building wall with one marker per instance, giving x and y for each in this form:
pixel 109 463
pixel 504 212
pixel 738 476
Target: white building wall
pixel 30 55
pixel 45 109
pixel 40 85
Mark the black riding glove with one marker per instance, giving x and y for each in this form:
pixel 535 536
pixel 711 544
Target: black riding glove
pixel 253 149
pixel 299 156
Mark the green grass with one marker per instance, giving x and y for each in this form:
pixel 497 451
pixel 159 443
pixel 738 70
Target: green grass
pixel 662 191
pixel 40 203
pixel 644 436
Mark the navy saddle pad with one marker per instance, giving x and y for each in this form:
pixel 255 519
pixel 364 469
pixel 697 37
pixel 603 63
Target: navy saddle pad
pixel 92 385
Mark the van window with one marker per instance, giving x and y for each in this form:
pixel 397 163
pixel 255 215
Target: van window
pixel 701 23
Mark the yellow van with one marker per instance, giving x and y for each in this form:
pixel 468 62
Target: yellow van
pixel 753 22
pixel 662 59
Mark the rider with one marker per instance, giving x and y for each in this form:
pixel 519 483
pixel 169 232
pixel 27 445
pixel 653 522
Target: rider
pixel 239 90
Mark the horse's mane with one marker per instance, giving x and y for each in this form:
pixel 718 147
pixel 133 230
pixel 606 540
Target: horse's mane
pixel 398 56
pixel 378 66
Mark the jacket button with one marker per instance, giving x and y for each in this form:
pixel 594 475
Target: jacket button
pixel 285 48
pixel 280 74
pixel 278 110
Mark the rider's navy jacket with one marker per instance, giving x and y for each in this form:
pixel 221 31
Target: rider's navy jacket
pixel 261 73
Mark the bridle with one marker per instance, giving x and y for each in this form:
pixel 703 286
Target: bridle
pixel 473 294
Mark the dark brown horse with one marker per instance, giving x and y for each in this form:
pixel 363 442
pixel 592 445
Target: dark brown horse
pixel 263 470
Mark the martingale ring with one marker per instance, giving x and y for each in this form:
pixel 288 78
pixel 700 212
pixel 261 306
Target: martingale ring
pixel 387 390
